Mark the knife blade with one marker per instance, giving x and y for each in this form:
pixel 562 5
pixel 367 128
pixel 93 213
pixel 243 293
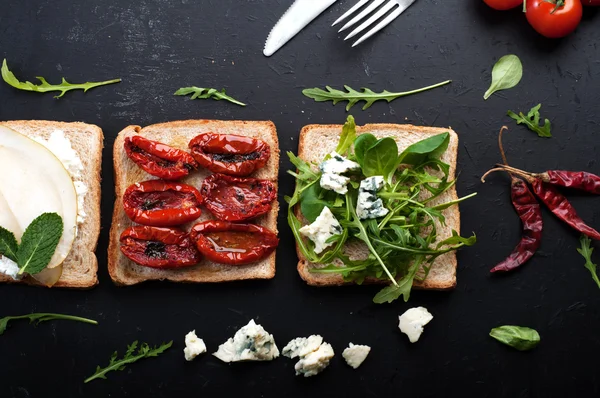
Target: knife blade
pixel 300 14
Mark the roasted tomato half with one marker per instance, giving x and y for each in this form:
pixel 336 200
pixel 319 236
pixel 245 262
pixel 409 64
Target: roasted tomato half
pixel 159 159
pixel 236 198
pixel 162 204
pixel 230 154
pixel 235 244
pixel 159 247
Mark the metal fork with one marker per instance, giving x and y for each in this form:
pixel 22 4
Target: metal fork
pixel 387 7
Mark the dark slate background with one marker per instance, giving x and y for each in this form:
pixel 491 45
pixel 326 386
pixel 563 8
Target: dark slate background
pixel 157 46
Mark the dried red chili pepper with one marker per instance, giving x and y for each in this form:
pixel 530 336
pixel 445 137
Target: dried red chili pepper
pixel 160 203
pixel 232 243
pixel 159 247
pixel 230 154
pixel 159 159
pixel 581 180
pixel 235 198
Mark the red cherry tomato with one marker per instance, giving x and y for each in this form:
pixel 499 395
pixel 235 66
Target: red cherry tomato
pixel 160 203
pixel 159 159
pixel 230 154
pixel 503 4
pixel 159 247
pixel 235 198
pixel 235 244
pixel 554 20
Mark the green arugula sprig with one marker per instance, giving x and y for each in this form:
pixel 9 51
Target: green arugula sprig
pixel 42 317
pixel 353 96
pixel 44 86
pixel 402 245
pixel 131 356
pixel 532 121
pixel 38 243
pixel 204 93
pixel 586 251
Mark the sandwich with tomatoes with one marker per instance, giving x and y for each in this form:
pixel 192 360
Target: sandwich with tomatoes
pixel 196 201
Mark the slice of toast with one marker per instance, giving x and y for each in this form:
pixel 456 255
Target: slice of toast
pixel 80 268
pixel 316 141
pixel 178 134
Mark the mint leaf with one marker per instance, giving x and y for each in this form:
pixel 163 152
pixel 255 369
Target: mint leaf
pixel 532 121
pixel 8 244
pixel 39 242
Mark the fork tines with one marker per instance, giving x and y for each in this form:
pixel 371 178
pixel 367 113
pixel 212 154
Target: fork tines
pixel 398 7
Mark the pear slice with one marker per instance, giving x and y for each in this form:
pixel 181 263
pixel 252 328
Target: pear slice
pixel 49 276
pixel 34 181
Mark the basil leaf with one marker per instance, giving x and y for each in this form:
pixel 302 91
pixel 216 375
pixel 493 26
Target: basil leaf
pixel 507 73
pixel 586 251
pixel 532 121
pixel 422 151
pixel 518 337
pixel 381 159
pixel 310 203
pixel 39 242
pixel 348 136
pixel 8 244
pixel 361 144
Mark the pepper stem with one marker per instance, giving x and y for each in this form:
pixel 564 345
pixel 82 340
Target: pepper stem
pixel 492 171
pixel 500 145
pixel 521 173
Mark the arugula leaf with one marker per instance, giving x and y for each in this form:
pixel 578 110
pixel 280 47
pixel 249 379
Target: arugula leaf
pixel 306 172
pixel 42 317
pixel 63 87
pixel 403 288
pixel 347 137
pixel 507 73
pixel 203 93
pixel 131 356
pixel 532 121
pixel 424 150
pixel 456 239
pixel 353 96
pixel 361 144
pixel 39 242
pixel 8 244
pixel 518 337
pixel 586 251
pixel 381 159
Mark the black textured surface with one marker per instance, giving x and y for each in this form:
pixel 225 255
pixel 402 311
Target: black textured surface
pixel 157 46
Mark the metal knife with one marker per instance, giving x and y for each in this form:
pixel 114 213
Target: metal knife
pixel 300 13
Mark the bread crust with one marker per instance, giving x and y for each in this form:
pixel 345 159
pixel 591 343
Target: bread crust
pixel 80 268
pixel 328 136
pixel 178 134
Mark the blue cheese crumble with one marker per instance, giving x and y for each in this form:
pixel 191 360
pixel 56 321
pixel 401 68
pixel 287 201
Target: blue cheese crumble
pixel 250 343
pixel 314 354
pixel 368 204
pixel 324 227
pixel 332 169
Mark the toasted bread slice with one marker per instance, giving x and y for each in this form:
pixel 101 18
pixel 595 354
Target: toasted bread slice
pixel 80 268
pixel 316 141
pixel 178 134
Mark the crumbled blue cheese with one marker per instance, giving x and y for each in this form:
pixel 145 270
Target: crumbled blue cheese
pixel 368 204
pixel 250 343
pixel 324 227
pixel 355 355
pixel 314 354
pixel 412 322
pixel 332 169
pixel 9 267
pixel 194 346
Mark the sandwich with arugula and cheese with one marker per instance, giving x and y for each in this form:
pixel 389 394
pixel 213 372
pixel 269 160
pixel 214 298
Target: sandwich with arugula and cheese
pixel 377 204
pixel 49 203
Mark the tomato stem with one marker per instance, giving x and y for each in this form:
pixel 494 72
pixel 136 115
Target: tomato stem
pixel 557 4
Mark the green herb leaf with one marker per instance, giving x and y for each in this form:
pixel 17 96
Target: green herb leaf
pixel 42 317
pixel 424 150
pixel 361 144
pixel 393 292
pixel 353 96
pixel 8 244
pixel 532 121
pixel 203 93
pixel 381 159
pixel 586 251
pixel 39 242
pixel 456 239
pixel 310 204
pixel 131 356
pixel 518 337
pixel 507 73
pixel 63 87
pixel 347 137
